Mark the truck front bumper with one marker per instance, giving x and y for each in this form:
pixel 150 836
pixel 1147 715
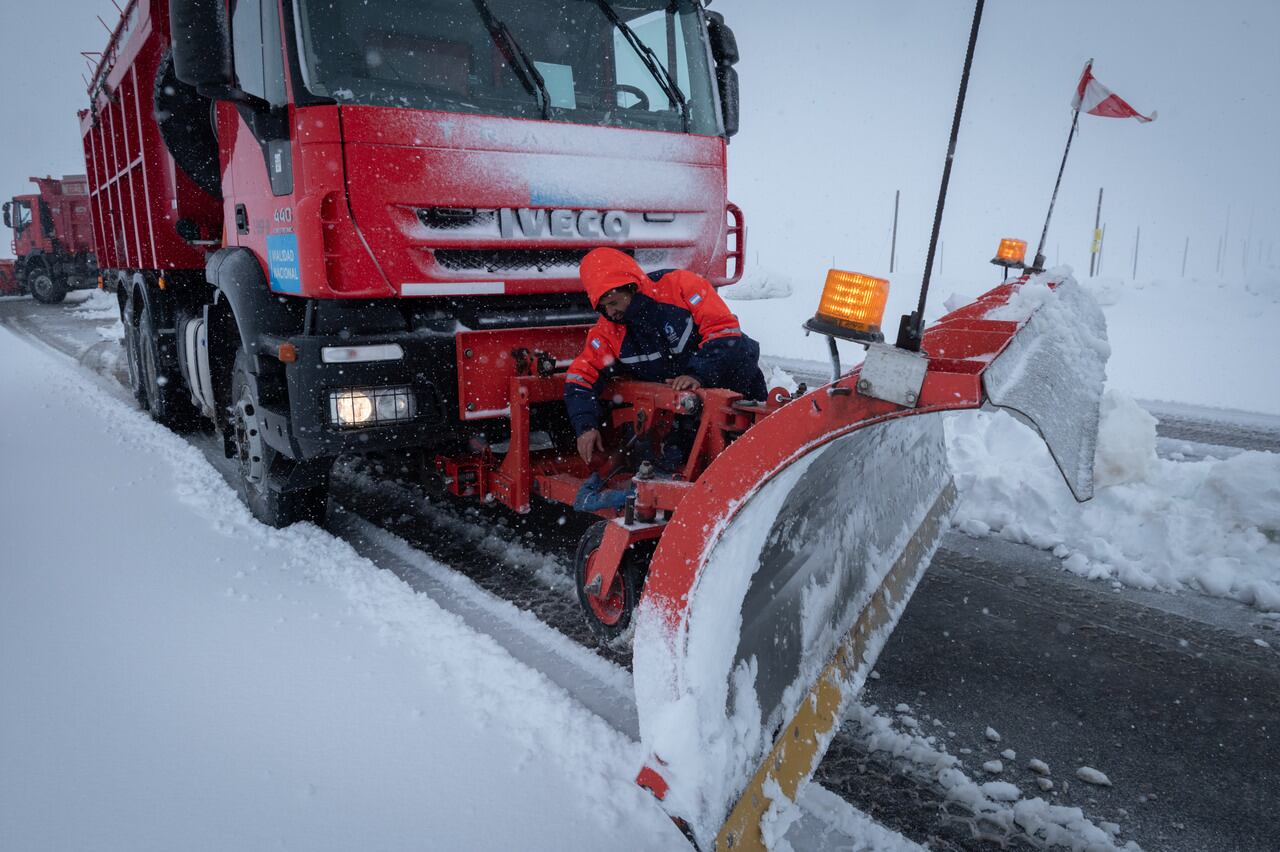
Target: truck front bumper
pixel 305 427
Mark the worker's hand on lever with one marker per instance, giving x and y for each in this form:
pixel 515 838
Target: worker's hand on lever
pixel 588 442
pixel 684 383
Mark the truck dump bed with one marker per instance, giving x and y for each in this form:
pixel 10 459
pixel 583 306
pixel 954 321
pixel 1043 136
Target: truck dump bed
pixel 142 202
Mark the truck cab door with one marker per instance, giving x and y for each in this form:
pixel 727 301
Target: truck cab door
pixel 258 150
pixel 23 242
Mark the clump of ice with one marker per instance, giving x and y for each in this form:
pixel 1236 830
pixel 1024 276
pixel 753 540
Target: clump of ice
pixel 992 735
pixel 1126 450
pixel 100 305
pixel 1037 766
pixel 1211 525
pixel 1089 775
pixel 1001 791
pixel 995 767
pixel 780 378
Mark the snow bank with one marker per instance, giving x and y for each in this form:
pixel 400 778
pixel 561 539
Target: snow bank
pixel 759 283
pixel 176 675
pixel 1212 525
pixel 1201 340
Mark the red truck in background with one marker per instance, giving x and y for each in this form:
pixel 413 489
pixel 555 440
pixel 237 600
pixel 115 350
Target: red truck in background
pixel 344 226
pixel 8 278
pixel 52 238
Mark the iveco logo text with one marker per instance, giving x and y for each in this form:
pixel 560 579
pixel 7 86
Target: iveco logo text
pixel 567 224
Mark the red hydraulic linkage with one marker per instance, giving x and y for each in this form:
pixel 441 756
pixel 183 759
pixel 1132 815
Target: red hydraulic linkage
pixel 644 410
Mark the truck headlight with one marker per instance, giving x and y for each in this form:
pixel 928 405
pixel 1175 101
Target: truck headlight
pixel 352 407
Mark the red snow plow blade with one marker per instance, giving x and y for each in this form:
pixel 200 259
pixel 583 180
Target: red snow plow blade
pixel 781 574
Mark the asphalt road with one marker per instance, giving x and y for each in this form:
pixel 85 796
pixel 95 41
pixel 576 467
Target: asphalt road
pixel 1169 695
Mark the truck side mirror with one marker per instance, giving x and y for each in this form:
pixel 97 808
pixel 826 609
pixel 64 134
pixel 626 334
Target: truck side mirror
pixel 201 36
pixel 8 223
pixel 724 44
pixel 727 78
pixel 724 50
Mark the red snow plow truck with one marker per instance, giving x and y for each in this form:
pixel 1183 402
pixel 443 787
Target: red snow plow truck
pixel 52 238
pixel 306 208
pixel 355 226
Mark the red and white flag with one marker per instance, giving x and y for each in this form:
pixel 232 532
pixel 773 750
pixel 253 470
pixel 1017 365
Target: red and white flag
pixel 1096 99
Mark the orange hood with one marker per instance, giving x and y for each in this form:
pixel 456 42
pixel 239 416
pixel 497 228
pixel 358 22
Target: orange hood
pixel 603 269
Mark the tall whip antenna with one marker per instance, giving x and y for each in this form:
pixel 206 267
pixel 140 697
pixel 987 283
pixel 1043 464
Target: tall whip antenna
pixel 911 328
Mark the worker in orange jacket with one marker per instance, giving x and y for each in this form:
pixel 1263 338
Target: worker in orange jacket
pixel 669 325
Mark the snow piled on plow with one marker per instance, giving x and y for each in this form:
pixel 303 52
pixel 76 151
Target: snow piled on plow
pixel 1211 525
pixel 708 749
pixel 781 584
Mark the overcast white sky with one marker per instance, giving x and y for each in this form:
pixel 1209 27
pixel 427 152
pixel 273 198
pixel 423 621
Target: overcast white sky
pixel 844 102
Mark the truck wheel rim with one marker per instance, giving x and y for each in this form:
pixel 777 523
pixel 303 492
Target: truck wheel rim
pixel 249 447
pixel 42 285
pixel 608 606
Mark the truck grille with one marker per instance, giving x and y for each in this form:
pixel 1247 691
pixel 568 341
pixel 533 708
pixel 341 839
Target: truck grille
pixel 530 260
pixel 453 218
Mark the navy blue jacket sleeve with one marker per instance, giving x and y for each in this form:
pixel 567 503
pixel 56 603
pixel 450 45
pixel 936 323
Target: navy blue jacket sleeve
pixel 583 404
pixel 732 363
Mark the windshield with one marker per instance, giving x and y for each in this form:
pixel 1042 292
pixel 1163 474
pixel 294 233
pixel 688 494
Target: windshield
pixel 445 55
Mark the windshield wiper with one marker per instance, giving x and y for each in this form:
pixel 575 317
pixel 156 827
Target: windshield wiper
pixel 520 62
pixel 651 61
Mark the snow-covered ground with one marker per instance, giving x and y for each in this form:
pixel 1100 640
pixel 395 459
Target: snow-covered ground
pixel 176 675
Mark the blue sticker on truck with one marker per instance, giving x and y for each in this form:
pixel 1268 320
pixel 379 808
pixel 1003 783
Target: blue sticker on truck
pixel 282 263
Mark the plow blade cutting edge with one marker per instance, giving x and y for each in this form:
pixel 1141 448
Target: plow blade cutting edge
pixel 778 581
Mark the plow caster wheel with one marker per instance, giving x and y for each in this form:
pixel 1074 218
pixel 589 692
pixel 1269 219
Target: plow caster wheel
pixel 608 611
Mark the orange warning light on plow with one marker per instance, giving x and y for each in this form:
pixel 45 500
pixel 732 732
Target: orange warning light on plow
pixel 1012 253
pixel 851 307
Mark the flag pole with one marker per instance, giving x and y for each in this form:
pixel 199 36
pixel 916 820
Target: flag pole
pixel 1038 264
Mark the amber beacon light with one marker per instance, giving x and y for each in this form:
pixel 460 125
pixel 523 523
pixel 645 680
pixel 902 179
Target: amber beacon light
pixel 1012 254
pixel 852 307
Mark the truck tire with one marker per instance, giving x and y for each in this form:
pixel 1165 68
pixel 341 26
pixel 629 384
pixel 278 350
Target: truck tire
pixel 137 387
pixel 262 471
pixel 45 288
pixel 166 395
